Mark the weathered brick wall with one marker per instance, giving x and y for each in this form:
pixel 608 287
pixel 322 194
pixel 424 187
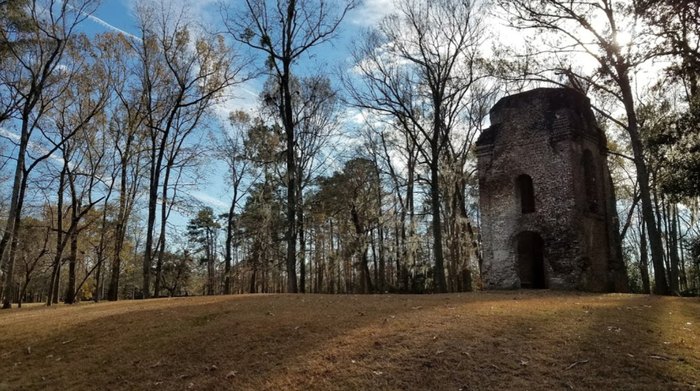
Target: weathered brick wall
pixel 543 133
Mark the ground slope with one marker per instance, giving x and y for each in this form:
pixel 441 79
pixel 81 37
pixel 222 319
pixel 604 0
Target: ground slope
pixel 481 341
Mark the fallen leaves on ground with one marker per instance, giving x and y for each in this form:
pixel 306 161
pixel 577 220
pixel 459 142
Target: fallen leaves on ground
pixel 475 341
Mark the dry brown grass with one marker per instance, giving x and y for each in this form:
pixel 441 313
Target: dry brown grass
pixel 481 341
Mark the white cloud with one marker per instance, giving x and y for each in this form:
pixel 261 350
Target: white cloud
pixel 214 202
pixel 239 97
pixel 371 11
pixel 9 134
pixel 200 11
pixel 32 146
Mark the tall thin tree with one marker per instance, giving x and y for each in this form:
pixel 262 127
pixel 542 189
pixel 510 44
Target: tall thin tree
pixel 183 72
pixel 285 31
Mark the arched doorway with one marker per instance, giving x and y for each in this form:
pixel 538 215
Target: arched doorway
pixel 530 261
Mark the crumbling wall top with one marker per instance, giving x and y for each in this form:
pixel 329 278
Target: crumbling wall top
pixel 548 101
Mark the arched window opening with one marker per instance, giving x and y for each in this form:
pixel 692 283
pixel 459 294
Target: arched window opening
pixel 526 193
pixel 590 182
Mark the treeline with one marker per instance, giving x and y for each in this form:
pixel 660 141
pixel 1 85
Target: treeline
pixel 361 182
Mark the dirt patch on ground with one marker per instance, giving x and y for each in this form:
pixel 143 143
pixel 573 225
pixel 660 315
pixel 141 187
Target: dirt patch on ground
pixel 481 341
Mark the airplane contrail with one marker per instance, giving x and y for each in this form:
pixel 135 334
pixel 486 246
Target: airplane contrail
pixel 103 23
pixel 111 27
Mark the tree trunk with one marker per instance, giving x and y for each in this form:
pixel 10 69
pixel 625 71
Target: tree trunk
pixel 399 243
pixel 14 201
pixel 361 243
pixel 655 243
pixel 121 223
pixel 209 236
pixel 673 249
pixel 439 271
pixel 23 289
pixel 229 240
pixel 381 281
pixel 57 284
pixel 8 289
pixel 97 296
pixel 683 275
pixel 101 249
pixel 321 259
pixel 73 256
pixel 152 204
pixel 302 247
pixel 14 215
pixel 661 226
pixel 408 236
pixel 288 120
pixel 163 226
pixel 59 235
pixel 252 279
pixel 9 277
pixel 157 153
pixel 331 260
pixel 374 257
pixel 54 280
pixel 644 260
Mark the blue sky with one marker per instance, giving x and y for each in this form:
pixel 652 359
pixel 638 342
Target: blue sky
pixel 118 15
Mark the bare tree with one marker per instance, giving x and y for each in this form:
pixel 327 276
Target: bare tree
pixel 316 113
pixel 127 134
pixel 74 122
pixel 79 119
pixel 232 150
pixel 285 30
pixel 38 79
pixel 183 72
pixel 399 159
pixel 418 67
pixel 458 179
pixel 316 117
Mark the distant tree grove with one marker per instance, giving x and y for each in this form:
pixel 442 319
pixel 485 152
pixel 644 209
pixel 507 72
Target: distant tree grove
pixel 360 180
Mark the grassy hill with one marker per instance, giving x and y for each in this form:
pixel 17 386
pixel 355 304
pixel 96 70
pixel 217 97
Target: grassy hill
pixel 480 341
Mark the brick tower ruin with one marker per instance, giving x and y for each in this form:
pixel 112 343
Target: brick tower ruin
pixel 548 217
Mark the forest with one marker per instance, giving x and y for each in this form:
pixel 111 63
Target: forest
pixel 353 173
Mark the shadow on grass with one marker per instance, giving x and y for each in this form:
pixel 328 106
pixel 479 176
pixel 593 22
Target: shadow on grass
pixel 505 340
pixel 642 343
